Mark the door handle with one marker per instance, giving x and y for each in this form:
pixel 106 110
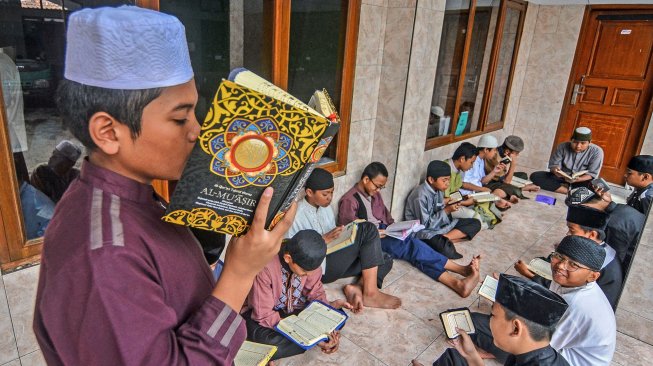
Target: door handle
pixel 577 91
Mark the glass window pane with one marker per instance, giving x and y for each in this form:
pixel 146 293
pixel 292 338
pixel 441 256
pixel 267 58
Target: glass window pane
pixel 32 46
pixel 317 44
pixel 207 26
pixel 504 65
pixel 450 57
pixel 480 49
pixel 257 37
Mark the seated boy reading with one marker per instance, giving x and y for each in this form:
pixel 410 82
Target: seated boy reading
pixel 363 258
pixel 426 203
pixel 524 317
pixel 364 201
pixel 462 161
pixel 586 333
pixel 476 178
pixel 502 183
pixel 283 288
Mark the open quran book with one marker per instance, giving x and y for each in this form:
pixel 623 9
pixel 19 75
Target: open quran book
pixel 402 229
pixel 254 354
pixel 574 175
pixel 321 101
pixel 480 197
pixel 489 288
pixel 457 318
pixel 520 183
pixel 313 324
pixel 455 197
pixel 541 268
pixel 255 135
pixel 346 238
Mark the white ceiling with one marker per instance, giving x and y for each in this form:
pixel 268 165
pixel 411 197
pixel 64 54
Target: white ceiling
pixel 589 2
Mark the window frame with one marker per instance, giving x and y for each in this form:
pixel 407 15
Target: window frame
pixel 16 251
pixel 483 125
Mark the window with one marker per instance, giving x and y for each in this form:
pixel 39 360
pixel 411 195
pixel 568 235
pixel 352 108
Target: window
pixel 282 41
pixel 32 39
pixel 475 66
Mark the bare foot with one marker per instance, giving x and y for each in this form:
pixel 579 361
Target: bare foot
pixel 514 199
pixel 415 363
pixel 475 262
pixel 503 204
pixel 531 188
pixel 381 300
pixel 354 295
pixel 469 283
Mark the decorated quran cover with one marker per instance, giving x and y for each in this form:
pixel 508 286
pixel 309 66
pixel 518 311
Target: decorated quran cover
pixel 254 354
pixel 254 135
pixel 312 325
pixel 457 318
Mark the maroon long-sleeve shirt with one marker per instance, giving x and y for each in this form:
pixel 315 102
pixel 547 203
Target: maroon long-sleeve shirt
pixel 118 286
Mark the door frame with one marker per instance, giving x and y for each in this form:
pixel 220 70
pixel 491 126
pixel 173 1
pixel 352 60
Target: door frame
pixel 575 66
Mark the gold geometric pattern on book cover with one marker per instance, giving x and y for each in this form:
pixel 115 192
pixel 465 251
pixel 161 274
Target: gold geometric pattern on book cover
pixel 249 144
pixel 207 219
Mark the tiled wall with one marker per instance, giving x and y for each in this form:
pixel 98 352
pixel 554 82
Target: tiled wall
pixel 553 45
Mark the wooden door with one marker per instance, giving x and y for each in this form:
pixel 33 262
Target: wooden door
pixel 610 84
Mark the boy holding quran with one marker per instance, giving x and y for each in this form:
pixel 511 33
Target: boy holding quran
pixel 573 163
pixel 524 317
pixel 362 256
pixel 509 182
pixel 427 204
pixel 364 201
pixel 117 285
pixel 286 286
pixel 586 333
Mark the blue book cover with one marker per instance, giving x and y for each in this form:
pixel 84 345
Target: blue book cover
pixel 312 325
pixel 462 123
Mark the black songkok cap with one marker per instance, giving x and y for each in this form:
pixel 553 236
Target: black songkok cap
pixel 437 169
pixel 578 196
pixel 307 249
pixel 641 163
pixel 582 134
pixel 587 216
pixel 582 250
pixel 319 179
pixel 530 300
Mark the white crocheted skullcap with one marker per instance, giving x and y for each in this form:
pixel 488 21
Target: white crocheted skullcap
pixel 126 48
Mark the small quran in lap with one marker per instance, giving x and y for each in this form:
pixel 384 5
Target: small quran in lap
pixel 489 288
pixel 346 238
pixel 457 318
pixel 313 324
pixel 480 197
pixel 254 354
pixel 541 268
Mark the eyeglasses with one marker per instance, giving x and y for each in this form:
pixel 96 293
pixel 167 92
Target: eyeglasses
pixel 572 266
pixel 377 186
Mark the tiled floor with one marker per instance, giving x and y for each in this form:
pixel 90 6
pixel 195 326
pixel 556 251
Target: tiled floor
pixel 375 337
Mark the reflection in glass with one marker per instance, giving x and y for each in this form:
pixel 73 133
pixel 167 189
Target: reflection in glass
pixel 207 32
pixel 257 37
pixel 317 46
pixel 478 60
pixel 32 40
pixel 450 56
pixel 504 65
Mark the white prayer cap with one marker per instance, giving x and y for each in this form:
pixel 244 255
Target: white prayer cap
pixel 126 48
pixel 437 110
pixel 488 141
